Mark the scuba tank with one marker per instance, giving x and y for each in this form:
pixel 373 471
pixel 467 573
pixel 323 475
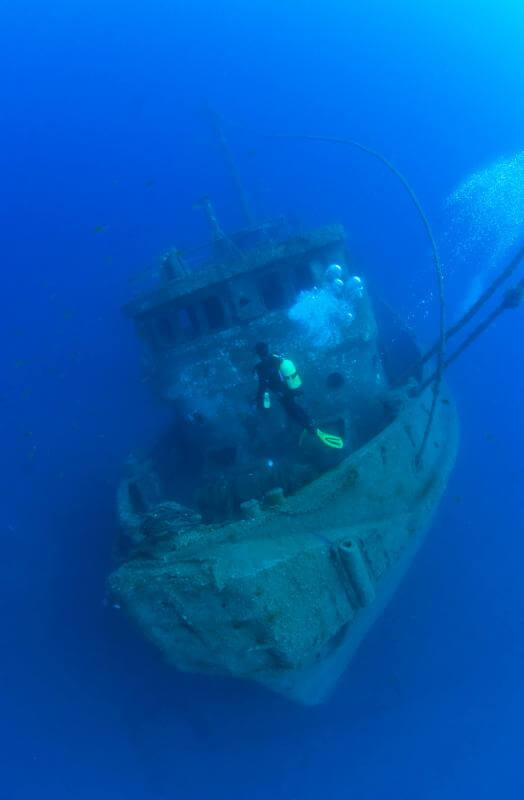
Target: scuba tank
pixel 289 374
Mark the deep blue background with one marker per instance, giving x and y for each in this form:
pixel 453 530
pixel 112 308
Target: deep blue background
pixel 102 125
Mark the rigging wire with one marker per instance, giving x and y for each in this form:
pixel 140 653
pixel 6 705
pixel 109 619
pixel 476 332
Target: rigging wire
pixel 513 298
pixel 477 305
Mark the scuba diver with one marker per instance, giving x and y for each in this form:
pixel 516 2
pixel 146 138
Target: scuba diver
pixel 279 376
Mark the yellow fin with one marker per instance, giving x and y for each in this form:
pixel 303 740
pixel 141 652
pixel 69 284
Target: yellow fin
pixel 330 439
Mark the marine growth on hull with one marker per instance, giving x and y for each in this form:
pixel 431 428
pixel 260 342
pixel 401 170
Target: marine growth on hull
pixel 278 363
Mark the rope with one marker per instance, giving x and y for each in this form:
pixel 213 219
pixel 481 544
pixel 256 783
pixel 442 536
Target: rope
pixel 440 346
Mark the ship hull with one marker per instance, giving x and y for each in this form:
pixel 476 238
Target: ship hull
pixel 285 597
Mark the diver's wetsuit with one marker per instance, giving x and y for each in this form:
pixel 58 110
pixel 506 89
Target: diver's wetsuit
pixel 270 380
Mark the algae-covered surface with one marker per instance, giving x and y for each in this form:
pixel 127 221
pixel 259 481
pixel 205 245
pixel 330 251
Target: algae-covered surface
pixel 275 597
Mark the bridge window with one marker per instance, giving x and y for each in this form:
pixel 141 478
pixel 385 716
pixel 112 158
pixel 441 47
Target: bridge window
pixel 187 322
pixel 165 328
pixel 273 291
pixel 214 311
pixel 303 277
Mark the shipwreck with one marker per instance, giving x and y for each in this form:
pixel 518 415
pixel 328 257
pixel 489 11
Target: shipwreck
pixel 247 547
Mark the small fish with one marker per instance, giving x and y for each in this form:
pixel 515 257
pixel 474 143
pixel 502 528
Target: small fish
pixel 99 229
pixel 150 183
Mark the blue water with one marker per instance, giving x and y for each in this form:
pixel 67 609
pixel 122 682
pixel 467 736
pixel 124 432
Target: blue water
pixel 104 151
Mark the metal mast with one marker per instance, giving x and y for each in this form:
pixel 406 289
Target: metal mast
pixel 218 129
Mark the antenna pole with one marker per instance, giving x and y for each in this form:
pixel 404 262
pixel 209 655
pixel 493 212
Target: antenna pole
pixel 218 129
